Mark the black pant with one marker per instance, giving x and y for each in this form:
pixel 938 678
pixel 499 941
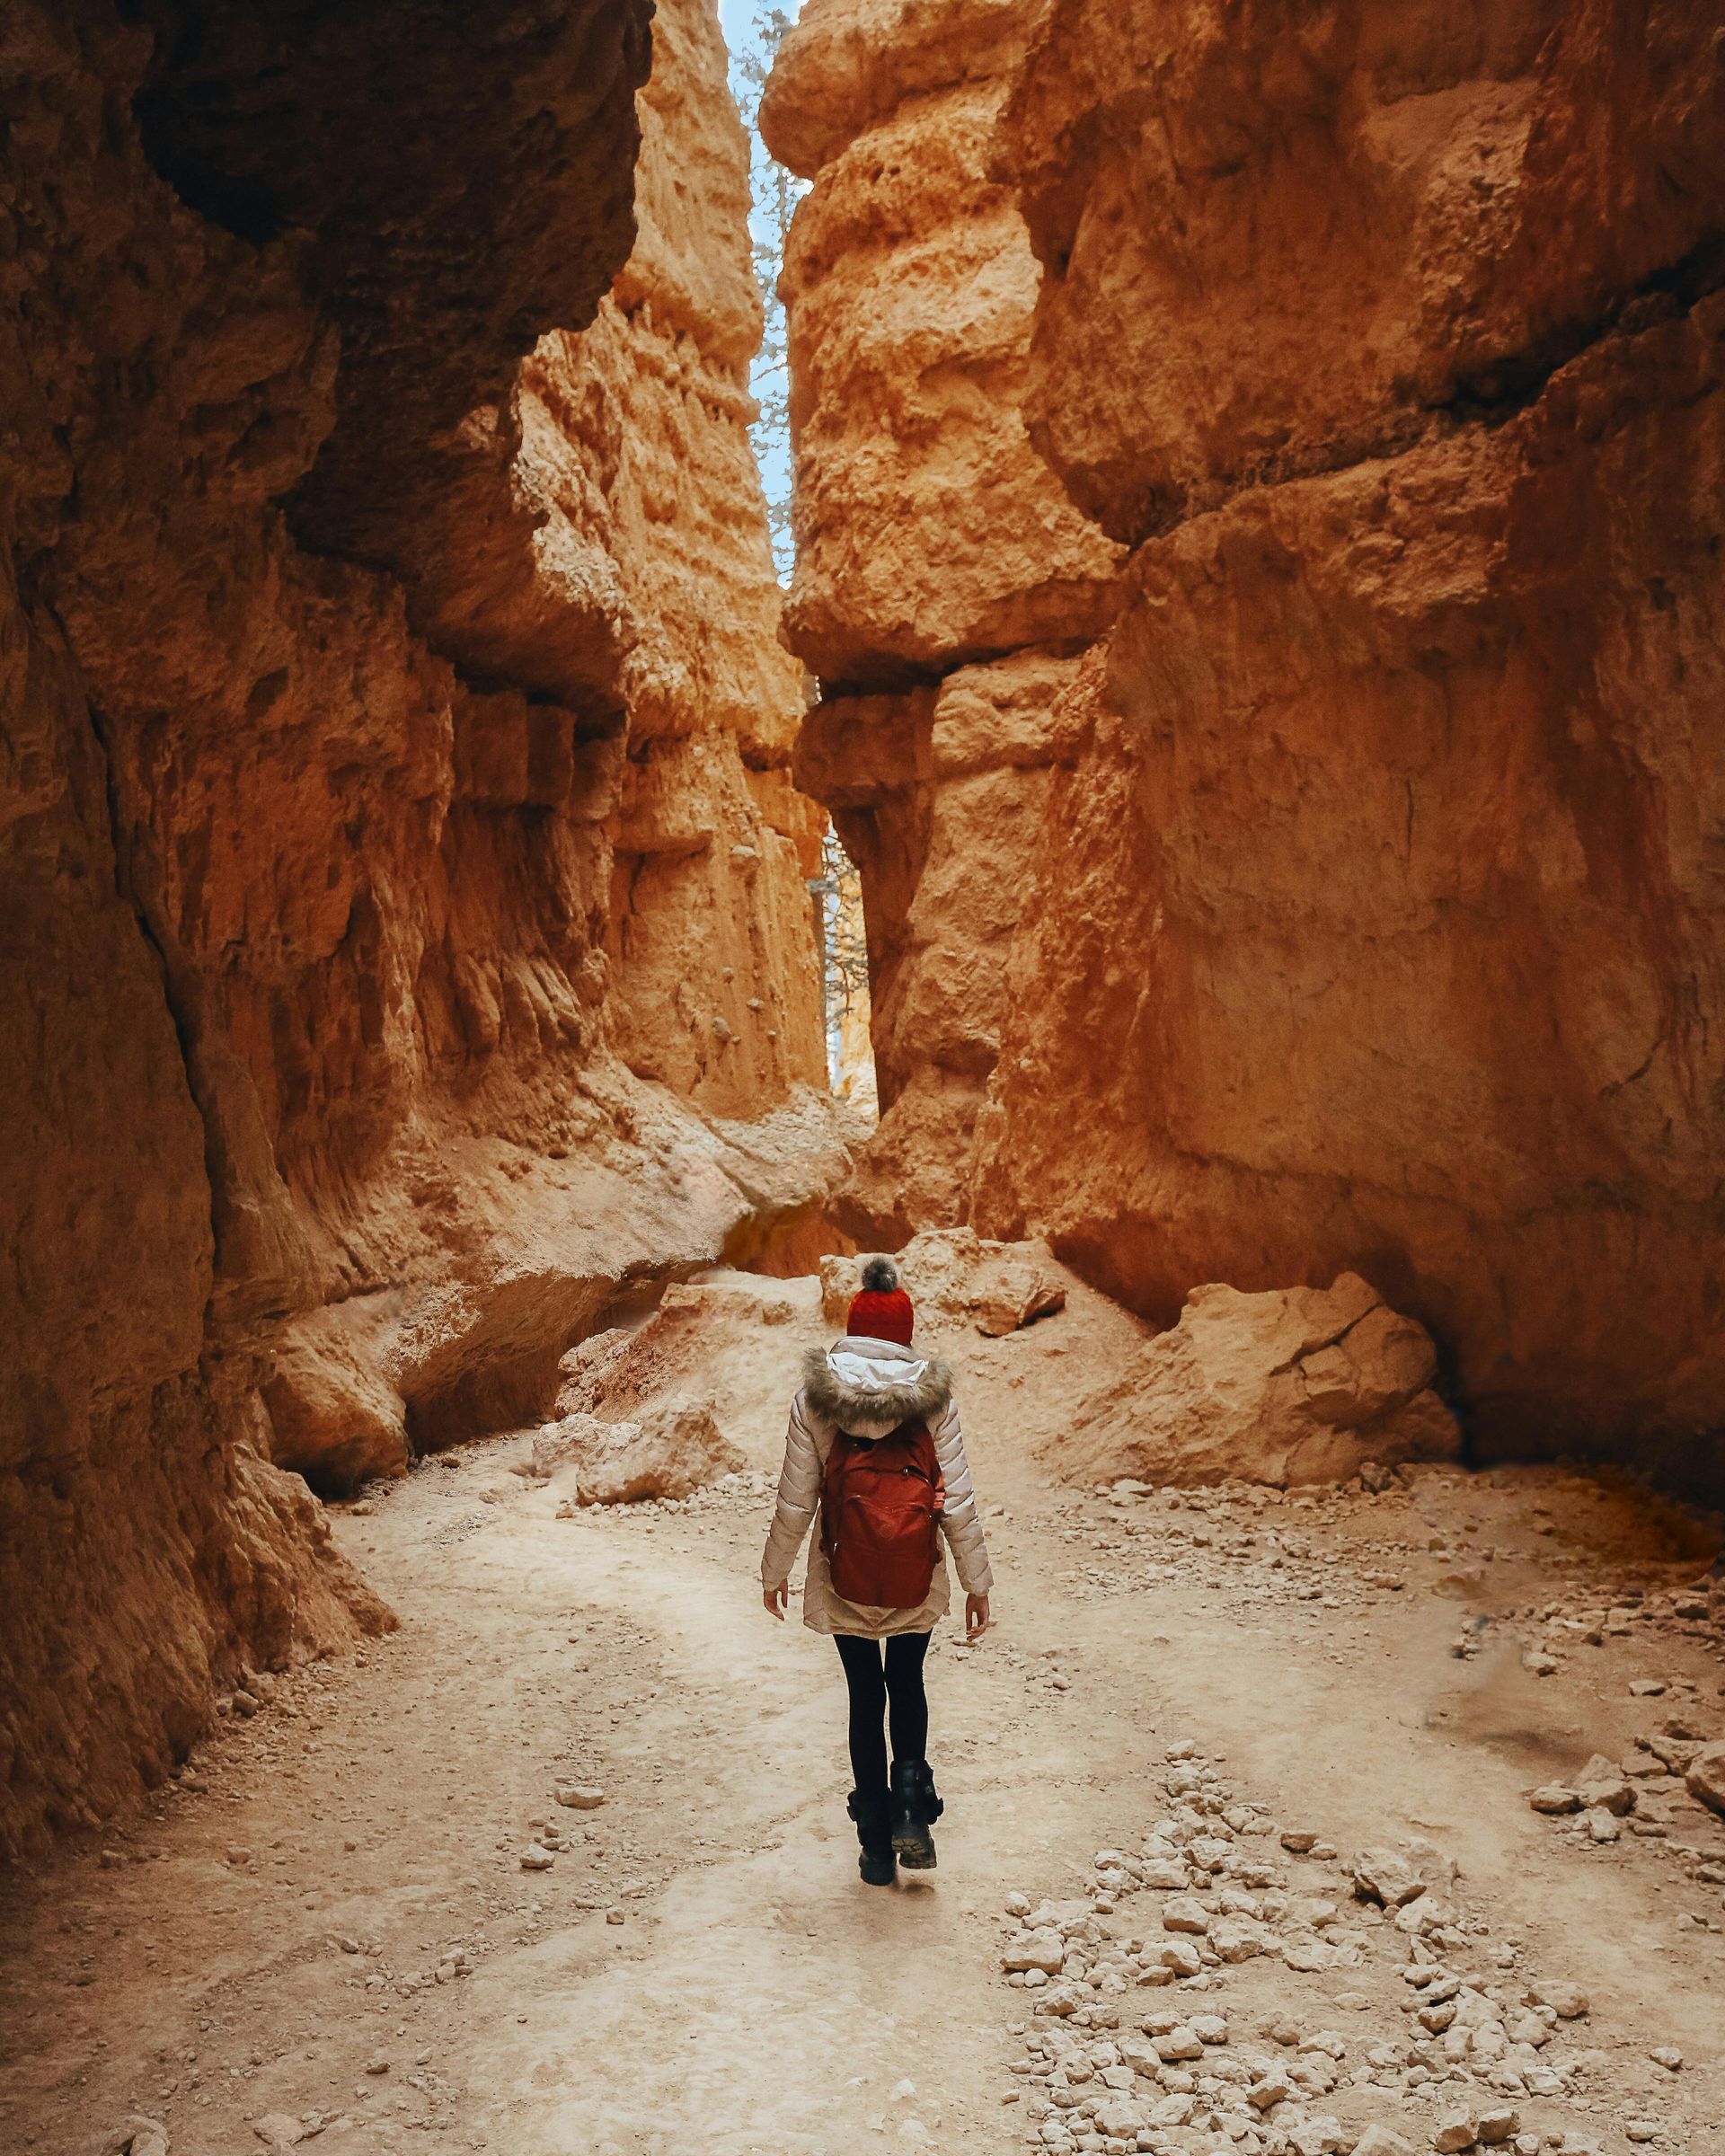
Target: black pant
pixel 885 1677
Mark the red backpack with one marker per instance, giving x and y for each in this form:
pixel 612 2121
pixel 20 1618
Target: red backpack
pixel 881 1504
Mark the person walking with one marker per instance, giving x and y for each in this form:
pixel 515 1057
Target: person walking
pixel 874 1454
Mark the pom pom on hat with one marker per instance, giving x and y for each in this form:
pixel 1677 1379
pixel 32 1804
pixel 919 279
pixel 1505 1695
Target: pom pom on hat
pixel 883 1311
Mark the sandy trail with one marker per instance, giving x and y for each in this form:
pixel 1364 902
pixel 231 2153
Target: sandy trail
pixel 258 1945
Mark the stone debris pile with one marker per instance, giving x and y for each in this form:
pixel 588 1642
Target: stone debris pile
pixel 1172 2010
pixel 551 1838
pixel 1665 1605
pixel 1252 1546
pixel 1668 1793
pixel 1256 1544
pixel 741 1491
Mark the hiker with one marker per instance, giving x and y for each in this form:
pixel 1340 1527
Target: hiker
pixel 873 1450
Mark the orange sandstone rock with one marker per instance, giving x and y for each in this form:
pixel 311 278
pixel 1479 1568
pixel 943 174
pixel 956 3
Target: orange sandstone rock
pixel 928 531
pixel 1361 912
pixel 932 539
pixel 393 704
pixel 939 795
pixel 1276 243
pixel 1301 1385
pixel 1373 924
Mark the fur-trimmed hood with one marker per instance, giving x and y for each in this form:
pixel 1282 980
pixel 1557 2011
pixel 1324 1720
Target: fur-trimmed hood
pixel 869 1387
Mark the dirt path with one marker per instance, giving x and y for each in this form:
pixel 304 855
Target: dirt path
pixel 334 1930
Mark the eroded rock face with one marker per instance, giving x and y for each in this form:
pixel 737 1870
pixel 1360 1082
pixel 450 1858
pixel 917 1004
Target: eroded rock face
pixel 928 532
pixel 1340 231
pixel 939 794
pixel 930 540
pixel 1375 916
pixel 1367 917
pixel 392 710
pixel 459 185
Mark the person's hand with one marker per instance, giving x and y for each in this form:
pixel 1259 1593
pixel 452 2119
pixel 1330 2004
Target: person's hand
pixel 976 1616
pixel 775 1599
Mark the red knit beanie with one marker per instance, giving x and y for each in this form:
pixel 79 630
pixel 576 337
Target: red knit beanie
pixel 882 1312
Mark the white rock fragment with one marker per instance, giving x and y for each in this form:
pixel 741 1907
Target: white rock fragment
pixel 1386 1876
pixel 1273 2087
pixel 1185 1912
pixel 1568 2002
pixel 139 2136
pixel 1705 1777
pixel 1603 1786
pixel 1554 1798
pixel 1043 1949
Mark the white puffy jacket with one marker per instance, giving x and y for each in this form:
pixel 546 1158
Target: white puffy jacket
pixel 869 1387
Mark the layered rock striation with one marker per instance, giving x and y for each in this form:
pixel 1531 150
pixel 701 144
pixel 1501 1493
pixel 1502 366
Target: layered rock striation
pixel 402 886
pixel 1372 915
pixel 944 584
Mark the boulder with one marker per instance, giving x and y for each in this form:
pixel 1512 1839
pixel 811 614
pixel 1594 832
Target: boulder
pixel 1018 1292
pixel 1319 2136
pixel 1294 1386
pixel 1675 1752
pixel 1385 1876
pixel 840 1279
pixel 1706 1777
pixel 571 1436
pixel 333 1418
pixel 956 1274
pixel 1567 2000
pixel 1603 1786
pixel 1120 2117
pixel 667 1453
pixel 137 2137
pixel 1043 1950
pixel 1554 1798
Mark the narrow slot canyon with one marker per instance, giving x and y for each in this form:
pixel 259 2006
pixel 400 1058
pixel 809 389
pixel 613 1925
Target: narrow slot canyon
pixel 654 646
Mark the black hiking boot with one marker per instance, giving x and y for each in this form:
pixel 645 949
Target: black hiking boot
pixel 915 1809
pixel 873 1817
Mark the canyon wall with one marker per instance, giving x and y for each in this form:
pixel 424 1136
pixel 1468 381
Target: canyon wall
pixel 1372 915
pixel 944 584
pixel 402 889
